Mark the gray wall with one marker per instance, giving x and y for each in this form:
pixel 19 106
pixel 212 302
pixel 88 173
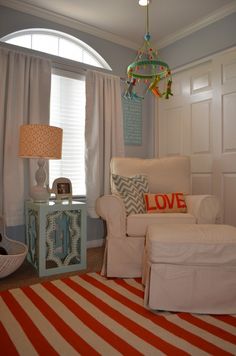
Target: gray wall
pixel 209 40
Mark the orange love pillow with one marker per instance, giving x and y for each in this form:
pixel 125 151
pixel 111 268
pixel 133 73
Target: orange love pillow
pixel 165 203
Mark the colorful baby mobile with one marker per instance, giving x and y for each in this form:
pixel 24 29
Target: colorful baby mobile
pixel 146 73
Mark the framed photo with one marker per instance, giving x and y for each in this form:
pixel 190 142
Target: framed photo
pixel 62 188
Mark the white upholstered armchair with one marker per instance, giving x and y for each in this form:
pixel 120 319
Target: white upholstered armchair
pixel 126 232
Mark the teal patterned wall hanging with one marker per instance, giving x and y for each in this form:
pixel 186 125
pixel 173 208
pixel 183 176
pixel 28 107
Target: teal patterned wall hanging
pixel 132 113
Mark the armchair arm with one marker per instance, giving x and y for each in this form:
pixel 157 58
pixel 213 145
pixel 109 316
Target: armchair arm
pixel 111 209
pixel 205 208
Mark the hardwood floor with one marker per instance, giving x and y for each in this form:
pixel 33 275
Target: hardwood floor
pixel 27 274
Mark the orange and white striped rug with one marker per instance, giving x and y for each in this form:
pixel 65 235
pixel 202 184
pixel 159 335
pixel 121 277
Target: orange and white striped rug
pixel 92 315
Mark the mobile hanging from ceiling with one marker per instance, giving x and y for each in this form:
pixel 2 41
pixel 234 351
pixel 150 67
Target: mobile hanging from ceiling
pixel 147 70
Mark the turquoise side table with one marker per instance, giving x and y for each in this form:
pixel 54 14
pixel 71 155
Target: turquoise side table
pixel 56 236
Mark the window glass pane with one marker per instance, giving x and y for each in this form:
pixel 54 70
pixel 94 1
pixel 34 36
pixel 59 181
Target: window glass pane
pixel 45 43
pixel 68 112
pixel 58 44
pixel 70 50
pixel 23 41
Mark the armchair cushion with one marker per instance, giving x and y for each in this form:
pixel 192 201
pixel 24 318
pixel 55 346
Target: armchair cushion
pixel 137 224
pixel 131 190
pixel 165 203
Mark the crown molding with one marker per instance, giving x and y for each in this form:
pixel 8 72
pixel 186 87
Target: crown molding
pixel 24 7
pixel 198 25
pixel 66 21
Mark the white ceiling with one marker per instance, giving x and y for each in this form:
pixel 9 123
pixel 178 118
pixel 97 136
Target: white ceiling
pixel 123 21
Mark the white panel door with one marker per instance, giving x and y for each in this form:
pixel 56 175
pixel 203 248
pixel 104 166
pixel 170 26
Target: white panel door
pixel 200 121
pixel 224 170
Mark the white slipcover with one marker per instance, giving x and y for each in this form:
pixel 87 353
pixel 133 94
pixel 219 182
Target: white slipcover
pixel 137 223
pixel 191 268
pixel 126 234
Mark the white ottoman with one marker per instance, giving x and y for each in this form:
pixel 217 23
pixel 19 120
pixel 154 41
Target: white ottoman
pixel 191 268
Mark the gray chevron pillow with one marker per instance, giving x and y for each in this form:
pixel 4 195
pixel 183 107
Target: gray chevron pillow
pixel 131 190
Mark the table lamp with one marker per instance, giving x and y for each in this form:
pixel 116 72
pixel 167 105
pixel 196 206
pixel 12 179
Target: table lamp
pixel 42 142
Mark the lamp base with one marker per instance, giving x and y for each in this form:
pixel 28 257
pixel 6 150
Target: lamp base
pixel 39 194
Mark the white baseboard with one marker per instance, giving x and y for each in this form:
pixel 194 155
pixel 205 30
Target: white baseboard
pixel 95 243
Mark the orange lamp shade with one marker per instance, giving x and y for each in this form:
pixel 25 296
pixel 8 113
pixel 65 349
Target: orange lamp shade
pixel 40 141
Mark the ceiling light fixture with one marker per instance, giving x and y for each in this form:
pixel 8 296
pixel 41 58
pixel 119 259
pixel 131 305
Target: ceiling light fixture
pixel 147 70
pixel 143 2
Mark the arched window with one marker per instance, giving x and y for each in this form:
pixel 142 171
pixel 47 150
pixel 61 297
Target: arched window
pixel 56 43
pixel 67 103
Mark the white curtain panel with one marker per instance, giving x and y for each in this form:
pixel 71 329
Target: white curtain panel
pixel 24 99
pixel 104 137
